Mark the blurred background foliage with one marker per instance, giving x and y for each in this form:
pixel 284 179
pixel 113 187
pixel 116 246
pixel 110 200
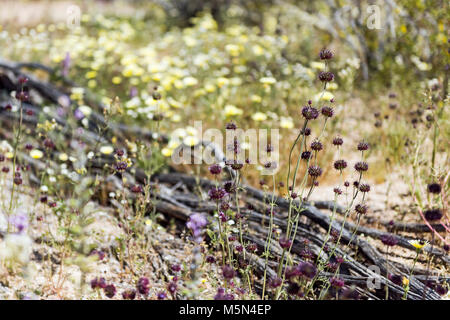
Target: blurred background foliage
pixel 255 62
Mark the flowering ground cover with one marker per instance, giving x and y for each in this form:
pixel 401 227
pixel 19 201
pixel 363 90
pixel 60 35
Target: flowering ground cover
pixel 224 150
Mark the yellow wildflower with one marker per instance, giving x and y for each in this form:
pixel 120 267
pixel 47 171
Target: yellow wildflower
pixel 106 150
pixel 36 154
pixel 286 123
pixel 166 152
pixel 267 80
pixel 256 98
pixel 259 116
pixel 231 110
pixel 405 281
pixel 190 81
pixel 116 80
pixel 418 244
pixel 232 49
pixel 91 74
pixel 191 141
pixel 318 65
pixel 63 157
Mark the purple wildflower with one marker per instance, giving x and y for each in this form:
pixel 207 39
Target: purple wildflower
pixel 19 221
pixel 196 223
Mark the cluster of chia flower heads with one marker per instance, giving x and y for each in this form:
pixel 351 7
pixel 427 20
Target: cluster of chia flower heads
pixel 100 283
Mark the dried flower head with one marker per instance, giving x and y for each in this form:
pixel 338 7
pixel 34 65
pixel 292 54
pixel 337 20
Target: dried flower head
pixel 129 294
pixel 310 113
pixel 315 171
pixel 364 187
pixel 172 287
pixel 110 290
pixel 307 269
pixel 275 282
pixel 316 145
pixel 326 76
pixel 231 126
pixel 389 240
pixel 327 112
pixel 433 214
pixel 363 146
pixel 285 243
pixel 361 208
pixel 434 188
pixel 215 169
pixel 306 132
pixel 143 285
pixel 361 166
pixel 338 141
pixel 340 164
pixel 216 193
pixel 306 155
pixel 326 54
pixel 337 282
pixel 228 272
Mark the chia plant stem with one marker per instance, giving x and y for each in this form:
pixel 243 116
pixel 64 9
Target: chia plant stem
pixel 16 145
pixel 269 238
pixel 405 295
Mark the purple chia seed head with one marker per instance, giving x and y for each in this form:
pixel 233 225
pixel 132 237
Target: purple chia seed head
pixel 215 169
pixel 310 113
pixel 275 282
pixel 389 240
pixel 315 171
pixel 361 208
pixel 307 269
pixel 285 243
pixel 316 145
pixel 110 290
pixel 363 146
pixel 231 126
pixel 340 164
pixel 326 76
pixel 364 187
pixel 129 294
pixel 326 54
pixel 306 155
pixel 361 166
pixel 143 285
pixel 433 214
pixel 337 282
pixel 396 279
pixel 228 272
pixel 327 112
pixel 338 141
pixel 306 132
pixel 434 188
pixel 172 287
pixel 176 267
pixel 216 193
